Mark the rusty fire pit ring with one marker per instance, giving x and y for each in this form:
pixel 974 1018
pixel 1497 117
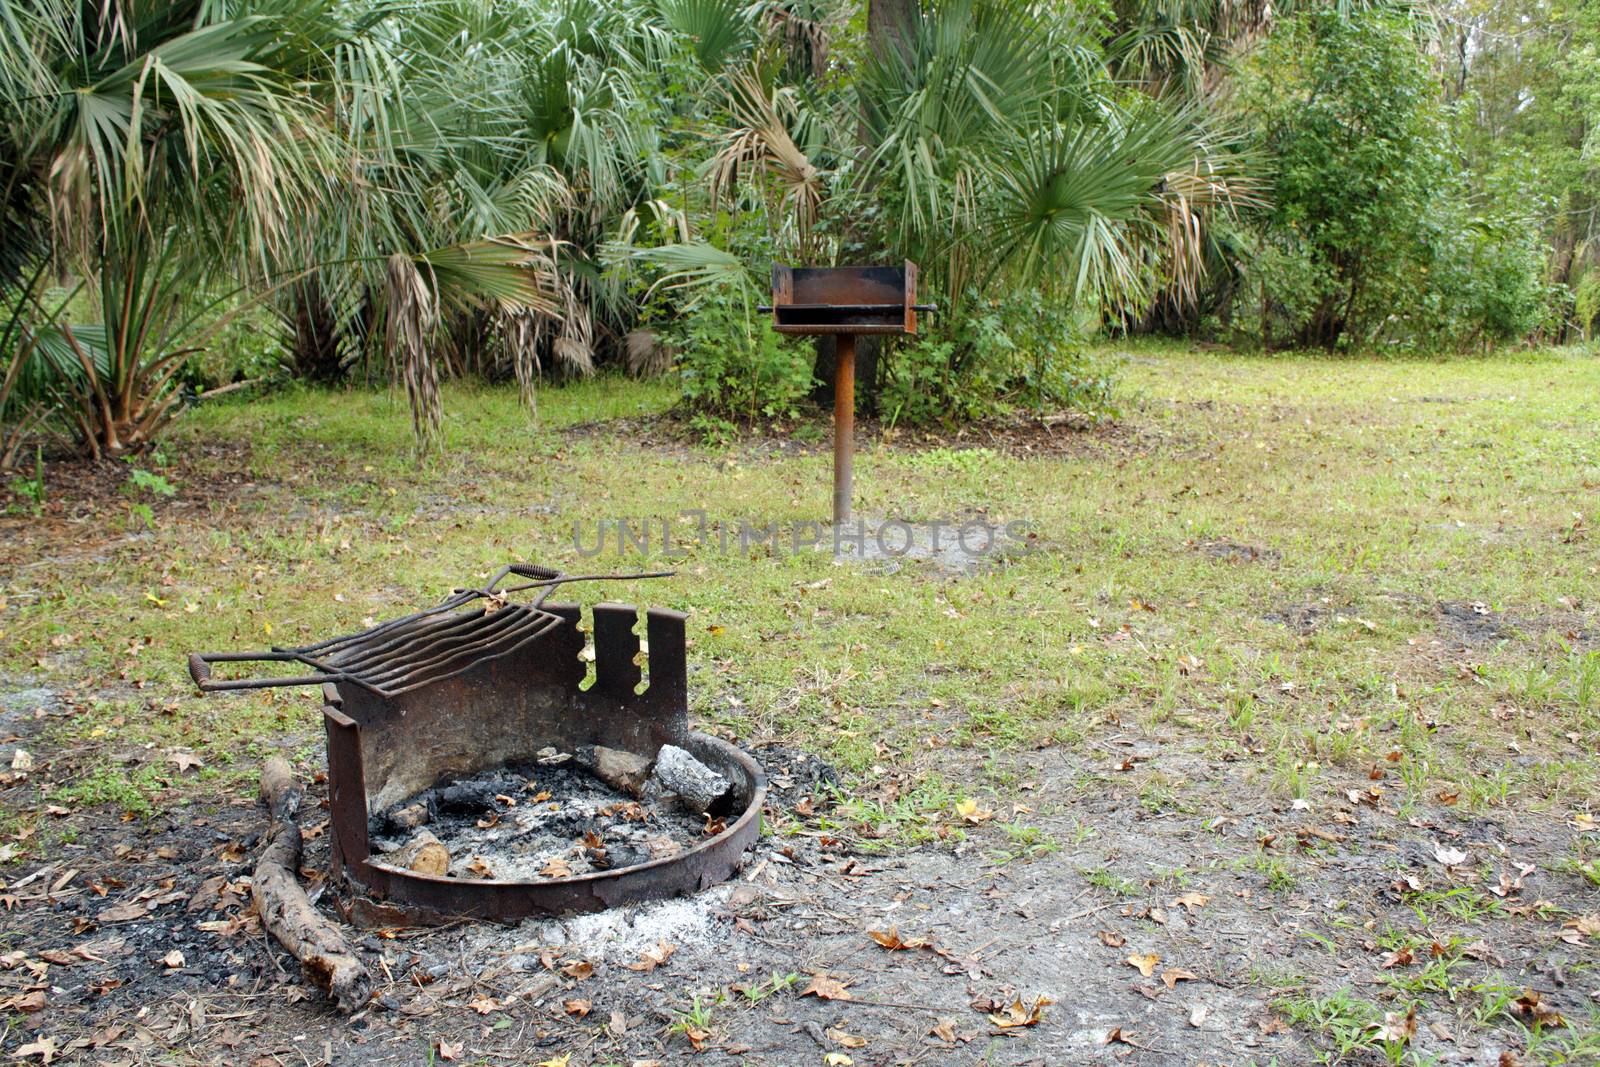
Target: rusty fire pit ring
pixel 381 894
pixel 480 683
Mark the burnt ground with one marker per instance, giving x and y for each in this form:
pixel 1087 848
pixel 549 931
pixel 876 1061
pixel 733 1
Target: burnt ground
pixel 1144 854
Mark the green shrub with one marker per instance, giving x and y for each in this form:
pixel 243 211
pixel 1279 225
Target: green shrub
pixel 996 356
pixel 734 365
pixel 1586 303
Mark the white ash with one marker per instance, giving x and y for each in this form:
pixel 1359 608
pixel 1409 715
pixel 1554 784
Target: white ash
pixel 618 935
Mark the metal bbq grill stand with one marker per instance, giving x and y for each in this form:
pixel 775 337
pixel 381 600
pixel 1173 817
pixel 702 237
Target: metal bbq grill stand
pixel 845 302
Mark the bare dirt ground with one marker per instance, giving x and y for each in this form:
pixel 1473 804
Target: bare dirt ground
pixel 1171 930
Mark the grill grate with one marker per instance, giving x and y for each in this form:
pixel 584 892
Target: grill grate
pixel 470 626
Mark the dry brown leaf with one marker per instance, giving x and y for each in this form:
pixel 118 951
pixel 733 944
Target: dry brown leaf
pixel 173 960
pixel 1019 1014
pixel 555 868
pixel 44 1048
pixel 1173 975
pixel 1398 1028
pixel 894 942
pixel 651 958
pixel 944 1030
pixel 1531 1007
pixel 1144 962
pixel 577 1008
pixel 186 761
pixel 483 1005
pixel 121 913
pixel 846 1040
pixel 1111 939
pixel 450 1050
pixel 1191 900
pixel 578 969
pixel 1403 957
pixel 825 988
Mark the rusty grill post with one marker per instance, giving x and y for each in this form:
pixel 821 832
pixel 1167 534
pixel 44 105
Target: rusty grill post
pixel 479 682
pixel 845 302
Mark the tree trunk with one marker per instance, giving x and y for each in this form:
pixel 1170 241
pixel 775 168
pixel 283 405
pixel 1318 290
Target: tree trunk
pixel 888 24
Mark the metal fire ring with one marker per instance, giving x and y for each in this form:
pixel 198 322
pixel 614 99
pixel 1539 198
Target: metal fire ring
pixel 386 745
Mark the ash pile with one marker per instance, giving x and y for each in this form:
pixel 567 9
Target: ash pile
pixel 561 815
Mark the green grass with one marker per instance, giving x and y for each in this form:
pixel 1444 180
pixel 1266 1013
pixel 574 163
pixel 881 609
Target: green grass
pixel 1379 487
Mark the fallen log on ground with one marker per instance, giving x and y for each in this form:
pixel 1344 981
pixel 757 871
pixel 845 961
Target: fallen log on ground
pixel 286 913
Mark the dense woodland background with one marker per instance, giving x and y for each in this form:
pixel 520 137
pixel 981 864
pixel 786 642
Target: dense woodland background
pixel 230 195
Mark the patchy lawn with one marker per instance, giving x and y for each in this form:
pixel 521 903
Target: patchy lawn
pixel 1277 744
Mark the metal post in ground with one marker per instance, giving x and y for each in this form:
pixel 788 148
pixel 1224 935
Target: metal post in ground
pixel 844 426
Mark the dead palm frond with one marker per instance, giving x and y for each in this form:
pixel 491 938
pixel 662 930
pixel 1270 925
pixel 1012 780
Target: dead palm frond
pixel 759 148
pixel 411 315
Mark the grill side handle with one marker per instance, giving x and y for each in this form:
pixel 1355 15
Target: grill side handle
pixel 200 670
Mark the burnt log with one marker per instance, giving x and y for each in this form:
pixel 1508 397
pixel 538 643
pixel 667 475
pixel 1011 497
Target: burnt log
pixel 286 912
pixel 697 787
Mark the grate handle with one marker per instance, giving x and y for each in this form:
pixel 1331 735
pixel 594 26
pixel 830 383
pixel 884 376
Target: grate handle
pixel 200 670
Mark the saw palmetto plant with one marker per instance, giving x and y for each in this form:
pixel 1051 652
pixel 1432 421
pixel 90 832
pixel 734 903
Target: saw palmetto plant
pixel 429 189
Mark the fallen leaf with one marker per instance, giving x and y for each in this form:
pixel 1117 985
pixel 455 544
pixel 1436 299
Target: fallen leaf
pixel 969 811
pixel 483 1005
pixel 1111 939
pixel 1399 958
pixel 121 913
pixel 1197 1015
pixel 1532 1008
pixel 449 1050
pixel 1019 1014
pixel 894 942
pixel 1173 975
pixel 44 1048
pixel 1398 1028
pixel 837 1059
pixel 578 969
pixel 556 1061
pixel 173 960
pixel 186 761
pixel 1190 901
pixel 944 1030
pixel 554 868
pixel 577 1008
pixel 847 1040
pixel 651 958
pixel 825 988
pixel 22 762
pixel 1447 856
pixel 1145 962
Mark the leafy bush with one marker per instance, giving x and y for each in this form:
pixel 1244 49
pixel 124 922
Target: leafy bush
pixel 1023 351
pixel 1586 303
pixel 1348 113
pixel 734 365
